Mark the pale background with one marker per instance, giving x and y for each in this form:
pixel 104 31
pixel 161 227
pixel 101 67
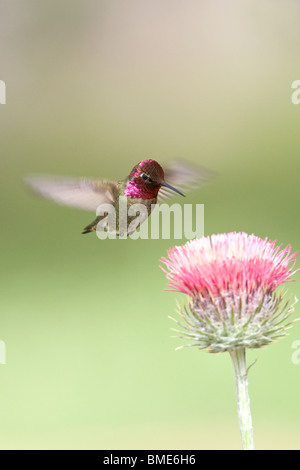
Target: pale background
pixel 93 87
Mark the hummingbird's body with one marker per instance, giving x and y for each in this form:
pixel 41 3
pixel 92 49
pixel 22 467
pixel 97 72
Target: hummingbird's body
pixel 144 186
pixel 118 189
pixel 140 187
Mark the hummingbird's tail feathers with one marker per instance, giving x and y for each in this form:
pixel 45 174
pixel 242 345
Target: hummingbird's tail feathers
pixel 185 177
pixel 87 231
pixel 74 192
pixel 92 227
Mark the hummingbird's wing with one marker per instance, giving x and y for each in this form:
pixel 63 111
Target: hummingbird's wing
pixel 183 176
pixel 74 192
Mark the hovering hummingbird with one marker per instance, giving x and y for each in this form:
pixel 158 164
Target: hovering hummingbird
pixel 146 185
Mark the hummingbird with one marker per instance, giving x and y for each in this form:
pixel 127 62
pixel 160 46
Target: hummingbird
pixel 147 184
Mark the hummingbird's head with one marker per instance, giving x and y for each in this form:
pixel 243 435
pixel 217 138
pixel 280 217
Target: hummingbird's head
pixel 146 179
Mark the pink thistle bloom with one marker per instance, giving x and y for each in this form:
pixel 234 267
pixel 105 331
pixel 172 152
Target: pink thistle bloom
pixel 231 279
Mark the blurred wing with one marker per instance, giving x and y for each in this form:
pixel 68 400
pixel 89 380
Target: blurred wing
pixel 183 176
pixel 74 192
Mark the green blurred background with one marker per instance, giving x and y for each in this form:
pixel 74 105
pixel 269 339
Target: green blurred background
pixel 93 87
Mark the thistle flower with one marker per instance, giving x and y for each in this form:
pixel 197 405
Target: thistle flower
pixel 231 280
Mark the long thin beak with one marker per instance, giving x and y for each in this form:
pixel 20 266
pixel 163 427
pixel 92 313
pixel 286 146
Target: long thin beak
pixel 173 189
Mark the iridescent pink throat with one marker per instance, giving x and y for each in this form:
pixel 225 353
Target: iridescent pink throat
pixel 137 188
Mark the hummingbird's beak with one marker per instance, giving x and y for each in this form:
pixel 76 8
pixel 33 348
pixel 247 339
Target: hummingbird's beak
pixel 173 189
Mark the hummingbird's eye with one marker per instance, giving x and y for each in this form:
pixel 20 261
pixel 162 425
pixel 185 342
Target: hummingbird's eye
pixel 145 177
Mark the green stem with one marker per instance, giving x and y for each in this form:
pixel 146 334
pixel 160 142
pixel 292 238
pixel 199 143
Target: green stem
pixel 238 357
